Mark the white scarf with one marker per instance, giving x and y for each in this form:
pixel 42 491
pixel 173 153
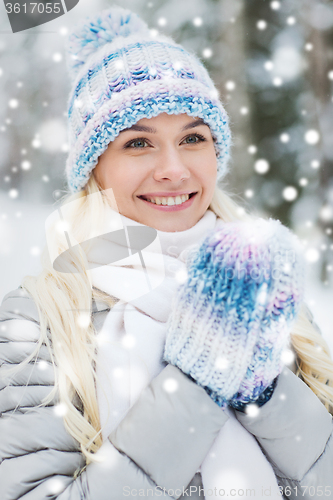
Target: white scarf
pixel 131 345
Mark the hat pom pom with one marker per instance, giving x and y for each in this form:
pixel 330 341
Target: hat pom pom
pixel 96 31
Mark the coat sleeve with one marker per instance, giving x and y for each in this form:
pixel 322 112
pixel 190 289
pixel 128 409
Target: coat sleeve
pixel 155 452
pixel 294 430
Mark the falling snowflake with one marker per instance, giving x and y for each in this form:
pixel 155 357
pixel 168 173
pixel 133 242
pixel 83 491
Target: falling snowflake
pixel 197 21
pixel 252 410
pixel 261 25
pixel 63 31
pixel 277 81
pixel 230 85
pixel 326 213
pixel 315 164
pixel 312 137
pixel 303 181
pixel 60 409
pixel 42 365
pixel 207 53
pixel 308 47
pixel 268 65
pixel 57 57
pixel 261 166
pixel 26 165
pixel 288 62
pixel 83 319
pixel 249 193
pixel 53 134
pixel 291 20
pixel 221 363
pixel 312 255
pixel 162 21
pixel 128 341
pixel 287 357
pixel 119 64
pixel 181 276
pixel 275 5
pixel 13 193
pixel 170 385
pixel 36 143
pixel 13 103
pixel 290 193
pixel 55 485
pixel 35 251
pixel 252 149
pixel 284 138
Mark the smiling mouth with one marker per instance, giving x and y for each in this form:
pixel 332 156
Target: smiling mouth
pixel 168 200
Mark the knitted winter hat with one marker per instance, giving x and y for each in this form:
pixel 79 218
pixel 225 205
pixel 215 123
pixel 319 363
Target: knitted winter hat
pixel 122 73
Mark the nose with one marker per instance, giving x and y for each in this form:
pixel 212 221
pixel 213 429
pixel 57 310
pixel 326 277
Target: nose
pixel 170 165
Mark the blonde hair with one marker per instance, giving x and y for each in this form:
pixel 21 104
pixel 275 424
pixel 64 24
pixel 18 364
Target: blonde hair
pixel 73 348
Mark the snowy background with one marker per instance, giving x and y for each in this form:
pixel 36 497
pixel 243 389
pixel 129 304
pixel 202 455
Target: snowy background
pixel 273 65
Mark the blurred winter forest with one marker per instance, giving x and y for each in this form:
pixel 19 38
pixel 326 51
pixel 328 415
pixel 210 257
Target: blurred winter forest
pixel 272 62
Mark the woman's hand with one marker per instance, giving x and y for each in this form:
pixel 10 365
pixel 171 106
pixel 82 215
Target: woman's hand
pixel 231 320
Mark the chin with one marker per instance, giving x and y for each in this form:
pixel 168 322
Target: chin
pixel 173 226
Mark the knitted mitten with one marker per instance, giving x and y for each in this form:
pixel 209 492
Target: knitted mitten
pixel 231 320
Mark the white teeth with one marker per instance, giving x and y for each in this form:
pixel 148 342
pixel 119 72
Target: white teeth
pixel 169 201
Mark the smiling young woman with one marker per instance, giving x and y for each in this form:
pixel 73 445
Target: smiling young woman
pixel 152 363
pixel 165 178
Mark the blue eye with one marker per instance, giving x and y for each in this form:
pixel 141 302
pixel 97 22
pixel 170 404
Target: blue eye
pixel 194 139
pixel 137 144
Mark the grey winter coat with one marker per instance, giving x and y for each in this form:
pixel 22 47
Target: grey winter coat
pixel 154 452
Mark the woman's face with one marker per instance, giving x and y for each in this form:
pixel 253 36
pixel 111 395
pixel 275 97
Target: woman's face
pixel 162 171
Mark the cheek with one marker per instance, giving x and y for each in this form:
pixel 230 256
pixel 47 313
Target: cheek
pixel 207 171
pixel 126 183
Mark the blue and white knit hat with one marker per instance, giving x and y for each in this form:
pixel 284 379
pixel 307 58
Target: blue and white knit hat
pixel 122 73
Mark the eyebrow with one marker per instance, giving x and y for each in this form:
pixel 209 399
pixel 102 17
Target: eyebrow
pixel 151 130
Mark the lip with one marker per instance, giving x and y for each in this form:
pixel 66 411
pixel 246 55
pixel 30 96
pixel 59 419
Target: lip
pixel 166 194
pixel 171 208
